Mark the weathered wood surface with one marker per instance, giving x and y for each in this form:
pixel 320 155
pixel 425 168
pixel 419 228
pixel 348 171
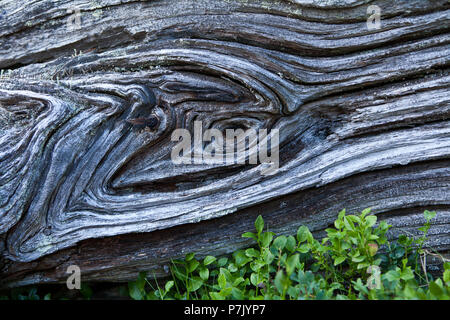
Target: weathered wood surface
pixel 363 118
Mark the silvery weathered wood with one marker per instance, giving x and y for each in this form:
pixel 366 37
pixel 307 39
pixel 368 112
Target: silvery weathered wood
pixel 363 118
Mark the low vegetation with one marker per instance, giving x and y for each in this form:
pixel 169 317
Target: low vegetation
pixel 354 261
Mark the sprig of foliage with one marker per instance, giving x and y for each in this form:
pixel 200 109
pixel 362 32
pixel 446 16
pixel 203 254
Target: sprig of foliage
pixel 347 264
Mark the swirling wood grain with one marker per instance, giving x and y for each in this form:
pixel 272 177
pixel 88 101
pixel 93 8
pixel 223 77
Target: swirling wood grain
pixel 363 117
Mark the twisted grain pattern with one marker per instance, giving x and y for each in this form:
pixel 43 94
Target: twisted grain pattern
pixel 363 118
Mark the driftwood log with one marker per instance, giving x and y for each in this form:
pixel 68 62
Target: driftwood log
pixel 363 115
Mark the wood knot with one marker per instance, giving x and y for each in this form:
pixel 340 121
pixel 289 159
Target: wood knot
pixel 151 122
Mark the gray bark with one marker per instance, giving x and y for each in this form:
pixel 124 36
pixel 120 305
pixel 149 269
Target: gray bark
pixel 363 118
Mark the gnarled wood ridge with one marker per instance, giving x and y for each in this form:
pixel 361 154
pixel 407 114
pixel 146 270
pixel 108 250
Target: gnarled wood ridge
pixel 363 116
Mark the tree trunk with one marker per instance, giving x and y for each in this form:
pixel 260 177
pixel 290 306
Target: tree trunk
pixel 362 112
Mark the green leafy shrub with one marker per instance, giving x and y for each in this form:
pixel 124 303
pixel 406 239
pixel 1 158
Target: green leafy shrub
pixel 25 294
pixel 348 264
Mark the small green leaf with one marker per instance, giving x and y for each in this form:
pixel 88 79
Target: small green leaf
pixel 259 224
pixel 291 243
pixel 392 275
pixel 254 279
pixel 241 258
pixel 194 284
pixel 136 288
pixel 291 263
pixel 216 296
pixel 190 256
pixel 365 212
pixel 358 259
pixel 280 242
pixel 407 274
pixel 339 260
pixel 429 215
pixel 304 248
pixel 225 292
pixel 208 260
pixel 192 265
pixel 371 220
pixel 302 234
pixel 266 239
pixel 169 285
pixel 423 229
pixel 135 292
pixel 227 273
pixel 398 252
pixel 447 266
pixel 281 282
pixel 238 281
pixel 373 248
pixel 341 214
pixel 222 281
pixel 204 274
pixel 447 276
pixel 256 265
pixel 232 267
pixel 251 252
pixel 435 289
pixel 349 224
pixel 250 235
pixel 268 257
pixel 237 294
pixel 331 232
pixel 222 262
